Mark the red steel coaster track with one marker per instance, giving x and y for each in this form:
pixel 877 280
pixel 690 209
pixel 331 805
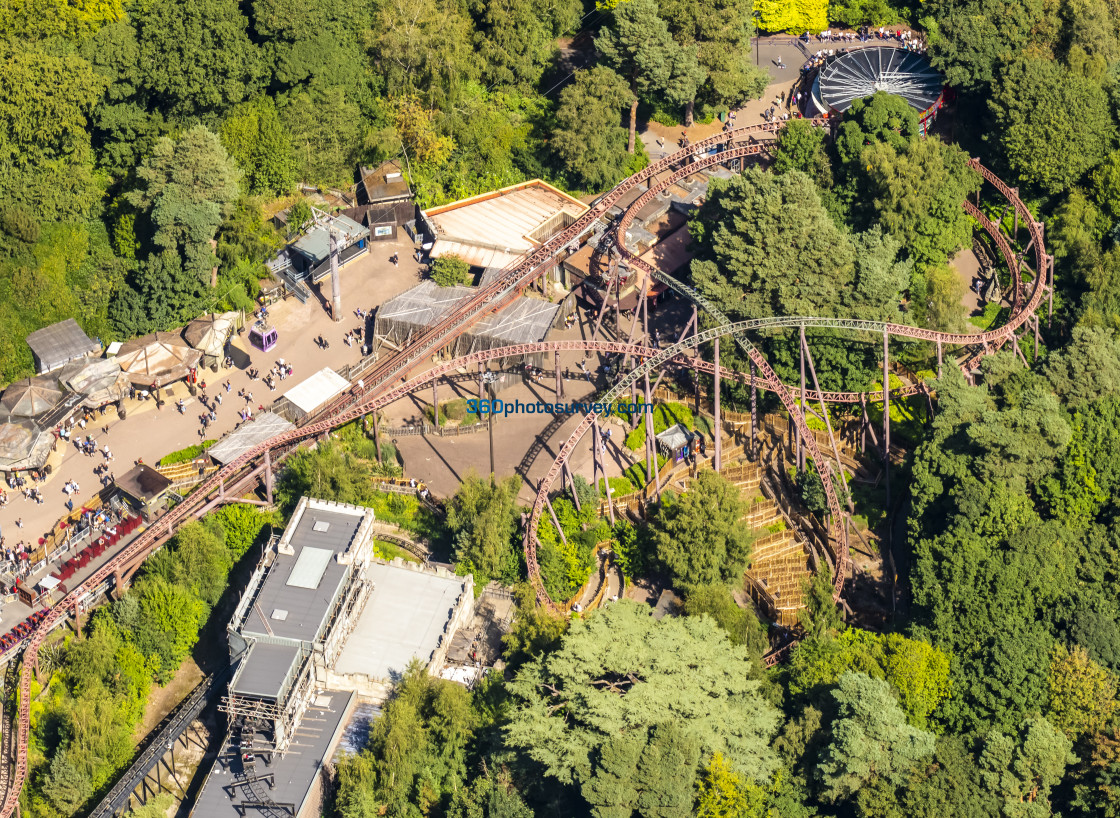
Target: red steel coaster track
pixel 389 381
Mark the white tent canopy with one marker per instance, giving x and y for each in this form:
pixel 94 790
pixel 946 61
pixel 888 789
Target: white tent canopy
pixel 310 394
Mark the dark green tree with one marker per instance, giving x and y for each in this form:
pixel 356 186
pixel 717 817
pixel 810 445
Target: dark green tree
pixel 769 248
pixel 482 519
pixel 589 140
pixel 801 147
pixel 450 271
pixel 262 146
pixel 968 39
pixel 639 47
pixel 517 38
pixel 721 31
pixel 1052 125
pixel 701 537
pixel 187 187
pixel 196 57
pixel 880 118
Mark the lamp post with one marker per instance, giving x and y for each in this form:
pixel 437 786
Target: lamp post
pixel 757 15
pixel 489 378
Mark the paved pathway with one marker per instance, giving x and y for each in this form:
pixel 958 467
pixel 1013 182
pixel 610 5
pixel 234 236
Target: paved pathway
pixel 150 433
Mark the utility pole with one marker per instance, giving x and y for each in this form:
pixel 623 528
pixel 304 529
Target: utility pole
pixel 336 285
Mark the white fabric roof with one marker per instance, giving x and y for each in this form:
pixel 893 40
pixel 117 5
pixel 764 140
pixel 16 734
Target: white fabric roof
pixel 313 392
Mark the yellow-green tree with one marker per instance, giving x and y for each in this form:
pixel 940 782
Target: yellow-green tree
pixel 792 15
pixel 721 793
pixel 1082 693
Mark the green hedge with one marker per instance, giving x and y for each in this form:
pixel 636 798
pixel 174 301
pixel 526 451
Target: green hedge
pixel 187 454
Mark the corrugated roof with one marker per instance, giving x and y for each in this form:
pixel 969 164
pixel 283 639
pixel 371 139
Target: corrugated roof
pixel 316 245
pixel 60 343
pixel 264 670
pixel 506 222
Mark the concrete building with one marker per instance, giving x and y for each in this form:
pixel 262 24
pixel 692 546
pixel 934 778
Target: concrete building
pixel 322 626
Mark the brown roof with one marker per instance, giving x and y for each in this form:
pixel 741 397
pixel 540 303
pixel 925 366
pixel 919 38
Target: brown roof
pixel 162 355
pixel 384 182
pixel 31 396
pixel 143 482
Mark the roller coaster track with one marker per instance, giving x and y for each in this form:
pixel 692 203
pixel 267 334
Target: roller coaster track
pixel 379 386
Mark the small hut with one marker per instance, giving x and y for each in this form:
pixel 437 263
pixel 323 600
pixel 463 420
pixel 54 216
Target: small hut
pixel 57 345
pixel 677 442
pixel 146 486
pixel 210 334
pixel 161 356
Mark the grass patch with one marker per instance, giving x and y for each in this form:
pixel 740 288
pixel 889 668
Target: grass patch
pixel 988 317
pixel 185 455
pixel 390 551
pixel 621 485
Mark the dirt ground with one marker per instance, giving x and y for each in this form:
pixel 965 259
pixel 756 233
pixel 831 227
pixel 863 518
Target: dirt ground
pixel 163 700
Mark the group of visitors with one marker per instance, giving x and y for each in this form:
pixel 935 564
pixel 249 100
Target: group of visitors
pixel 16 559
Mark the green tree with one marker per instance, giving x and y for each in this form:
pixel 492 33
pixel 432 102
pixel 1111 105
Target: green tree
pixel 1022 768
pixel 567 705
pixel 67 786
pixel 535 630
pixel 648 773
pixel 918 194
pixel 741 624
pixel 33 20
pixel 870 739
pixel 917 672
pixel 801 147
pixel 1052 125
pixel 968 39
pixel 262 146
pixel 721 31
pixel 187 187
pixel 423 47
pixel 416 754
pixel 639 47
pixel 326 127
pixel 769 248
pixel 588 139
pixel 701 537
pixel 482 519
pixel 881 118
pixel 451 271
pixel 1082 693
pixel 517 38
pixel 196 57
pixel 720 793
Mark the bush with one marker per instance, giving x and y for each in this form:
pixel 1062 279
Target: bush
pixel 187 454
pixel 449 271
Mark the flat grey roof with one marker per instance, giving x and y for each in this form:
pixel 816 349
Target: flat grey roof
pixel 306 607
pixel 264 669
pixel 316 245
pixel 405 616
pixel 294 774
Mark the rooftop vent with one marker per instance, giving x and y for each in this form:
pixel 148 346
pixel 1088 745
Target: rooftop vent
pixel 320 525
pixel 280 614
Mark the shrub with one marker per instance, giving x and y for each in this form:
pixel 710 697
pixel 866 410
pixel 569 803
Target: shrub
pixel 448 271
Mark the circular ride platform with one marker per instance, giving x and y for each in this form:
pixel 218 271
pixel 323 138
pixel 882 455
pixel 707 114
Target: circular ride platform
pixel 861 72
